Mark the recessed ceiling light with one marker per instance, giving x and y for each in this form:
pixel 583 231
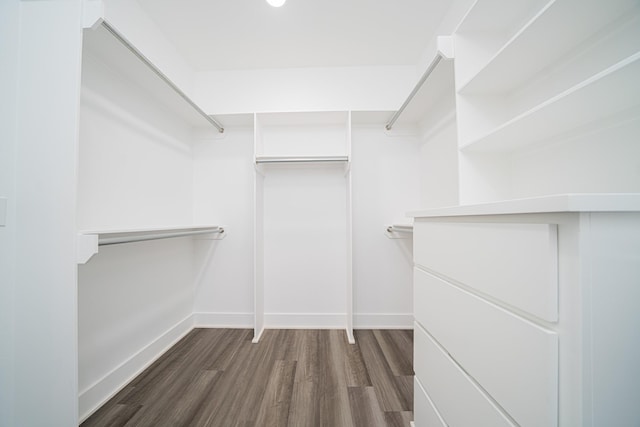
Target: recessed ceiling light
pixel 276 3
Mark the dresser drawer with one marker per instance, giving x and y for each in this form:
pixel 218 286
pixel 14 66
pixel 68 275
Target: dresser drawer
pixel 514 263
pixel 514 360
pixel 424 413
pixel 451 389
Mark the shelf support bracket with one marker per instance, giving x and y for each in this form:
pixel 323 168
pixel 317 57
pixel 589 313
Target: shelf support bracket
pixel 86 247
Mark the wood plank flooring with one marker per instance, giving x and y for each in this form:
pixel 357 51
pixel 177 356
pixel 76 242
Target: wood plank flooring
pixel 297 378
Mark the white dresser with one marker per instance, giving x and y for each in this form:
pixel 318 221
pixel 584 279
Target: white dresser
pixel 526 313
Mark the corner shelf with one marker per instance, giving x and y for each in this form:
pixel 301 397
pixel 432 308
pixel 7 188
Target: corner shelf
pixel 89 241
pixel 106 45
pixel 615 89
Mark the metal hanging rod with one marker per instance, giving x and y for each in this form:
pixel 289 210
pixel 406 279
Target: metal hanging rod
pixel 415 90
pixel 160 74
pixel 400 228
pixel 311 159
pixel 105 241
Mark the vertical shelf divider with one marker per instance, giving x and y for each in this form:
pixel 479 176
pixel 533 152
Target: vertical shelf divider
pixel 258 244
pixel 349 236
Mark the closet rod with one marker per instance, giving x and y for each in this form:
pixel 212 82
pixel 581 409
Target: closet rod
pixel 400 228
pixel 160 74
pixel 104 241
pixel 302 159
pixel 415 90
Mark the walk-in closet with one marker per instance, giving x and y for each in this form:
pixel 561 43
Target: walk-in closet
pixel 319 213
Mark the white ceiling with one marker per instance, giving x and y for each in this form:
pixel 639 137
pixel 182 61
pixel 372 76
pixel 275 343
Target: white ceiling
pixel 249 34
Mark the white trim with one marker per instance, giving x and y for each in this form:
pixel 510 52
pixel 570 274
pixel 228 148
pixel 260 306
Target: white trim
pixel 223 320
pixel 383 321
pixel 94 396
pixel 305 320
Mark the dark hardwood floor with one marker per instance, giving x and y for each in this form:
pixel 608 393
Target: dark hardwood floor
pixel 298 378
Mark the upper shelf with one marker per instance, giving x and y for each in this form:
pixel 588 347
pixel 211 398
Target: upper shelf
pixel 108 46
pixel 307 118
pixel 609 92
pixel 541 42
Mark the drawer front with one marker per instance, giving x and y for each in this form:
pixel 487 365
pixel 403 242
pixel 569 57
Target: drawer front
pixel 514 263
pixel 451 389
pixel 424 413
pixel 514 360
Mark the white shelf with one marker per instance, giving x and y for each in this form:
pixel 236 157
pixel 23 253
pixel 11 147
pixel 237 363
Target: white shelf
pixel 498 16
pixel 104 46
pixel 90 240
pixel 300 159
pixel 306 118
pixel 628 202
pixel 543 41
pixel 609 92
pixel 484 31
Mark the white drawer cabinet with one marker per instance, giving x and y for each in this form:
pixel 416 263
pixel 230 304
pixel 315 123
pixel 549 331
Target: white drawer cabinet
pixel 424 411
pixel 483 357
pixel 434 367
pixel 496 348
pixel 514 263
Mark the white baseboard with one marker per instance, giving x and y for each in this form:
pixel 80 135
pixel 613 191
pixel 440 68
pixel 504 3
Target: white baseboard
pixel 94 396
pixel 305 321
pixel 383 321
pixel 223 320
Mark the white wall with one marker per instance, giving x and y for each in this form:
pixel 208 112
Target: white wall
pixel 135 171
pixel 223 194
pixel 385 171
pixel 580 164
pixel 305 246
pixel 130 20
pixel 134 301
pixel 439 168
pixel 45 368
pixel 135 159
pixel 9 33
pixel 304 89
pixel 385 185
